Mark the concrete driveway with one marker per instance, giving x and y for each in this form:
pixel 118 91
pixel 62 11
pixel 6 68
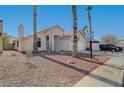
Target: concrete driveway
pixel 110 74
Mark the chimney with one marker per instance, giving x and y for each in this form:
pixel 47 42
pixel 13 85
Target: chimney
pixel 1 33
pixel 21 38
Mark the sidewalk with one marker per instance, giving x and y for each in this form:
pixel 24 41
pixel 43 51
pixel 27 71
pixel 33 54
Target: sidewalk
pixel 108 75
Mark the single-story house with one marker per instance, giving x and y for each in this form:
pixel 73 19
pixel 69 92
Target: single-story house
pixel 50 39
pixel 95 44
pixel 8 42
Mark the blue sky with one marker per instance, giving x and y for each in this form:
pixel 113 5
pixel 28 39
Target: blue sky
pixel 105 19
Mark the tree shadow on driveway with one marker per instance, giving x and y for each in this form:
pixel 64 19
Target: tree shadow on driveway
pixel 121 68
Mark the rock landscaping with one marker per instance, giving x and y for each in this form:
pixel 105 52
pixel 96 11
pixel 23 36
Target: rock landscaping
pixel 44 69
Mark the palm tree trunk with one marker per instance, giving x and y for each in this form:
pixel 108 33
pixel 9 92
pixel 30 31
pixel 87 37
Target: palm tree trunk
pixel 75 38
pixel 1 36
pixel 35 29
pixel 89 19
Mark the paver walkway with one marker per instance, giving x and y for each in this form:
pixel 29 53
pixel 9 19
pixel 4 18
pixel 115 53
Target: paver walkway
pixel 108 75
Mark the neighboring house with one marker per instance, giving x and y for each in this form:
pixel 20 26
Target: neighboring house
pixel 95 44
pixel 8 44
pixel 51 39
pixel 6 41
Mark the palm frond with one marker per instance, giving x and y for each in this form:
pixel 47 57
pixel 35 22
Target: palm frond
pixel 89 7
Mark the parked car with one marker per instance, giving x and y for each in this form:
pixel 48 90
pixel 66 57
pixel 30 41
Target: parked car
pixel 110 47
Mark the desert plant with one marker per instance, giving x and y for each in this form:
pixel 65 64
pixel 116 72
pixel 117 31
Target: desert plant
pixel 29 54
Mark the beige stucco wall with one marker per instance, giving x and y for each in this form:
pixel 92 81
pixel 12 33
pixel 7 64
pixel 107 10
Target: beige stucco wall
pixel 21 38
pixel 15 46
pixel 66 44
pixel 28 42
pixel 7 45
pixel 43 42
pixel 81 42
pixel 63 44
pixel 56 41
pixel 55 31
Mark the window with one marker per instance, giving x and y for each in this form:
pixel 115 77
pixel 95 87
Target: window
pixel 39 42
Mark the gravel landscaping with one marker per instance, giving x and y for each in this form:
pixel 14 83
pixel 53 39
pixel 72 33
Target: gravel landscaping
pixel 44 69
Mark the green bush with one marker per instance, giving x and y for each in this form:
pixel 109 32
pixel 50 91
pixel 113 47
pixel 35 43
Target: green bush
pixel 29 54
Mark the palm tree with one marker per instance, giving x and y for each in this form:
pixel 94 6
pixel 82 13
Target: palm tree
pixel 83 31
pixel 90 27
pixel 75 38
pixel 35 29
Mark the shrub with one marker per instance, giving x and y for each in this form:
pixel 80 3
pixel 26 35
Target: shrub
pixel 29 54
